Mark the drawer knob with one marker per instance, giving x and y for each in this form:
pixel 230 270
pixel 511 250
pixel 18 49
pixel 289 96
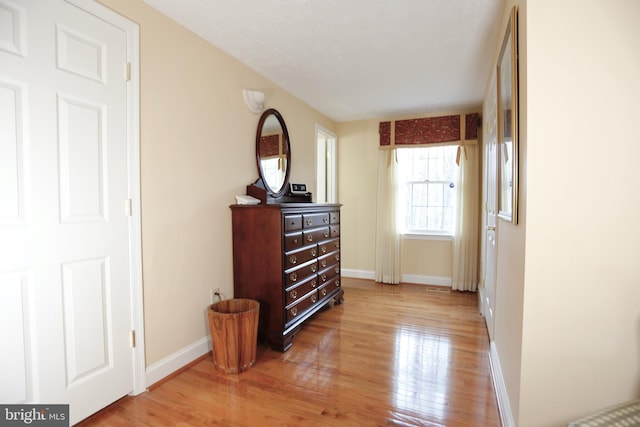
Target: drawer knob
pixel 295 241
pixel 325 220
pixel 293 259
pixel 314 283
pixel 323 263
pixel 323 249
pixel 337 245
pixel 293 294
pixel 337 257
pixel 314 252
pixel 337 269
pixel 314 299
pixel 326 234
pixel 323 291
pixel 324 278
pixel 294 311
pixel 337 282
pixel 310 238
pixel 314 268
pixel 293 277
pixel 309 221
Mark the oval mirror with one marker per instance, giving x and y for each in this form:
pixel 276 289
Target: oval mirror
pixel 273 152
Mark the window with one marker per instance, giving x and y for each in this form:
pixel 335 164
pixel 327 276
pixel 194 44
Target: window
pixel 427 189
pixel 272 170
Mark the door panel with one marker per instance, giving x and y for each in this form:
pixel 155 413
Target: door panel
pixel 65 273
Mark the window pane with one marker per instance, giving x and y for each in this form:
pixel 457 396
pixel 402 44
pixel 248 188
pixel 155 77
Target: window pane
pixel 429 175
pixel 436 196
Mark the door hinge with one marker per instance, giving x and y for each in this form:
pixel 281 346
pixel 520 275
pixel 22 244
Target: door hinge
pixel 127 71
pixel 132 339
pixel 128 207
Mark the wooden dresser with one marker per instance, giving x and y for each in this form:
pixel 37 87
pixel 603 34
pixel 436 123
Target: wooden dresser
pixel 286 256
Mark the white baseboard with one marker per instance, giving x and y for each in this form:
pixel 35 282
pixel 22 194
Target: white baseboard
pixel 177 360
pixel 426 280
pixel 406 278
pixel 357 274
pixel 504 407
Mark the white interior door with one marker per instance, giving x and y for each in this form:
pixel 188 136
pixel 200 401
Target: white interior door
pixel 65 244
pixel 487 294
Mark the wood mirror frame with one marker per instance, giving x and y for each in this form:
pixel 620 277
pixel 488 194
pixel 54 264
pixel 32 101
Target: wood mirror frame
pixel 272 143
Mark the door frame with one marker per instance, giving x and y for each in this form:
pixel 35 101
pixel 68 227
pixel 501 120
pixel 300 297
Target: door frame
pixel 132 31
pixel 326 192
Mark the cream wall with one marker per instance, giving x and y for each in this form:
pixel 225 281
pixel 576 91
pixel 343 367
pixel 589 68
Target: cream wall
pixel 581 313
pixel 423 261
pixel 197 153
pixel 567 328
pixel 357 191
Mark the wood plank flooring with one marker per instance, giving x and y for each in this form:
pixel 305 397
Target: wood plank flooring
pixel 405 355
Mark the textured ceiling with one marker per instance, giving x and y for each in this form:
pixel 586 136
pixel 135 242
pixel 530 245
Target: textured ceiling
pixel 356 59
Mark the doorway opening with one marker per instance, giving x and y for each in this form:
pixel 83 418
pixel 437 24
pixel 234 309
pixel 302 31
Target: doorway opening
pixel 326 165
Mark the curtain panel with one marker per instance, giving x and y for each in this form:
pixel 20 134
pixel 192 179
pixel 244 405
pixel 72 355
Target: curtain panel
pixel 465 240
pixel 387 265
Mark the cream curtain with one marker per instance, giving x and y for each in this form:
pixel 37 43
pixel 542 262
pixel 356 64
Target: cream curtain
pixel 387 234
pixel 465 241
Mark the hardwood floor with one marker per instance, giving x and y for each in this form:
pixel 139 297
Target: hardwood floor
pixel 405 355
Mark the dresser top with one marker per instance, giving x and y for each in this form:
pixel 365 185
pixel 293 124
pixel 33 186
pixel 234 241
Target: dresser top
pixel 296 206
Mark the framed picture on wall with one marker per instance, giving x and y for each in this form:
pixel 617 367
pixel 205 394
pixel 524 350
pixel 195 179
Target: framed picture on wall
pixel 507 92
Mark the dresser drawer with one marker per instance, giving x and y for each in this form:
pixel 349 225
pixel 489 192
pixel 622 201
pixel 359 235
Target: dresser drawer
pixel 328 246
pixel 329 287
pixel 329 259
pixel 298 291
pixel 292 241
pixel 328 273
pixel 334 230
pixel 315 220
pixel 292 222
pixel 299 274
pixel 334 217
pixel 297 309
pixel 299 257
pixel 315 235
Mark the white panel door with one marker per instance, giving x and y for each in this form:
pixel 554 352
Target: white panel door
pixel 65 273
pixel 491 208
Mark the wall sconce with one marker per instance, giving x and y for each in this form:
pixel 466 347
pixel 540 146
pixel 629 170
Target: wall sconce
pixel 254 100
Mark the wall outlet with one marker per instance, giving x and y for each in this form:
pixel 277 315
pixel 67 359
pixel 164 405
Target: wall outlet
pixel 215 295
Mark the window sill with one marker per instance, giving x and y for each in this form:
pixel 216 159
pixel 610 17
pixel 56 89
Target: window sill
pixel 427 236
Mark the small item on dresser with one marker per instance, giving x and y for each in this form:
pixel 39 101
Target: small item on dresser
pixel 298 188
pixel 247 200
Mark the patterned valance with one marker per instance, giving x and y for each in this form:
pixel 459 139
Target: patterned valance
pixel 429 130
pixel 270 146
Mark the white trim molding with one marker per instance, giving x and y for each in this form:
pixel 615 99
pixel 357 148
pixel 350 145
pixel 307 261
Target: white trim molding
pixel 178 360
pixel 358 274
pixel 427 280
pixel 406 278
pixel 504 407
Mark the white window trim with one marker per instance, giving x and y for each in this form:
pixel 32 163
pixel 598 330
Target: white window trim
pixel 416 235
